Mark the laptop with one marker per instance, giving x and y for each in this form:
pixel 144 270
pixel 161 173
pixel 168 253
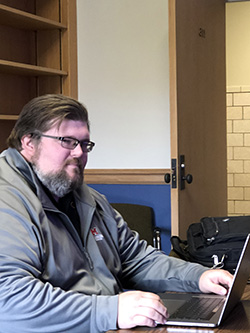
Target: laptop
pixel 211 315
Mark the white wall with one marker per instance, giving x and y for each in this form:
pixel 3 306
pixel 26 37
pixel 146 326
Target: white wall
pixel 123 81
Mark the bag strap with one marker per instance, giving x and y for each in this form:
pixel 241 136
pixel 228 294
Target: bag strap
pixel 179 246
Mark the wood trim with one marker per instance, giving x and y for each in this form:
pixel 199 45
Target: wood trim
pixel 173 110
pixel 69 48
pixel 125 176
pixel 8 117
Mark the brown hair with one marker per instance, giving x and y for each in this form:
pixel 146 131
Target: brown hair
pixel 42 112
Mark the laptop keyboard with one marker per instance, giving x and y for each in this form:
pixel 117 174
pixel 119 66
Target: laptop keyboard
pixel 197 308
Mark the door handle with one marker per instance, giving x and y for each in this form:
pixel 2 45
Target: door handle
pixel 184 178
pixel 171 177
pixel 167 178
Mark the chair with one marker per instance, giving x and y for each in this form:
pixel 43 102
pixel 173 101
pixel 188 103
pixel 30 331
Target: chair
pixel 141 219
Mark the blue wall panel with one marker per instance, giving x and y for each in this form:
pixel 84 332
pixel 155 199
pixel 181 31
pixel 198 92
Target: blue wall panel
pixel 155 196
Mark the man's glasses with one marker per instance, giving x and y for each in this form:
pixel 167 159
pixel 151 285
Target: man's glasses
pixel 71 143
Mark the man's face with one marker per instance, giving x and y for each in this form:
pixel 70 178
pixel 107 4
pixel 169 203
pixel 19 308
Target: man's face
pixel 58 168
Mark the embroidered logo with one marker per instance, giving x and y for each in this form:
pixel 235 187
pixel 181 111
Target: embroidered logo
pixel 95 233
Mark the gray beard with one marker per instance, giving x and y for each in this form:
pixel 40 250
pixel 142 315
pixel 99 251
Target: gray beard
pixel 58 184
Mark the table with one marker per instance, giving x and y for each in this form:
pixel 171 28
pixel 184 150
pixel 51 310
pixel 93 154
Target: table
pixel 238 321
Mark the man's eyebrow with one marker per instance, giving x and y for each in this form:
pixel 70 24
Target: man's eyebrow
pixel 71 137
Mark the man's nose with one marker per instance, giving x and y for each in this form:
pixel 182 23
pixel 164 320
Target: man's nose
pixel 77 152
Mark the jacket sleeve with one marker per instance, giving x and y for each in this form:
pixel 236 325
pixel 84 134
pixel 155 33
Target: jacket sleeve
pixel 28 304
pixel 149 269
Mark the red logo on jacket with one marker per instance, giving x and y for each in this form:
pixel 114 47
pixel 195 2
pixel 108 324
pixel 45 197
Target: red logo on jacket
pixel 96 234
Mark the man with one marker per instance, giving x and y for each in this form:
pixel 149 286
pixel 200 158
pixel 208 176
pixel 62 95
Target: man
pixel 65 255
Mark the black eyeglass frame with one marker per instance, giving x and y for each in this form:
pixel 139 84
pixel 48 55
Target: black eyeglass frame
pixel 86 146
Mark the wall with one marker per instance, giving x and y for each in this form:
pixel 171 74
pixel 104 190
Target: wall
pixel 237 44
pixel 238 107
pixel 238 141
pixel 123 81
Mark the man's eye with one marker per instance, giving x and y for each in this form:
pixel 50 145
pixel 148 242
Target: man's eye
pixel 67 140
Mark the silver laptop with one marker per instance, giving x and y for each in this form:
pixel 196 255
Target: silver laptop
pixel 208 310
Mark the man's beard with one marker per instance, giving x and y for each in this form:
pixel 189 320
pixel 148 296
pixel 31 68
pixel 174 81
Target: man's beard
pixel 59 184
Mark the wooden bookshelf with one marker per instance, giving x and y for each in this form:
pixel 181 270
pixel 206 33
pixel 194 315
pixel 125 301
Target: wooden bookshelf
pixel 23 20
pixel 38 54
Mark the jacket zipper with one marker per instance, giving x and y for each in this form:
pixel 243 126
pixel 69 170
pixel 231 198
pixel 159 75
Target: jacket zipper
pixel 79 242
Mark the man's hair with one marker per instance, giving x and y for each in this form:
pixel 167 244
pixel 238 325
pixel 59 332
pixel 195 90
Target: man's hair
pixel 41 113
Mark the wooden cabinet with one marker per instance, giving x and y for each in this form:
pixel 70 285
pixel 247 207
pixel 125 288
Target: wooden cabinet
pixel 38 54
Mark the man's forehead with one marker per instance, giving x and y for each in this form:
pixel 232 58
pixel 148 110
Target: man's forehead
pixel 67 124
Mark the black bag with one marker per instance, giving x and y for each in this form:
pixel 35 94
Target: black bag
pixel 214 242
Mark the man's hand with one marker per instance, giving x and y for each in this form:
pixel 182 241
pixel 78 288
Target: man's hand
pixel 215 281
pixel 137 308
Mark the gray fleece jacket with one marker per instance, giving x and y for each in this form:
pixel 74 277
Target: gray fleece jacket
pixel 54 280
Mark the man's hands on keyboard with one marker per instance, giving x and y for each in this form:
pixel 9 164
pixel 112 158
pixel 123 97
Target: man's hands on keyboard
pixel 216 281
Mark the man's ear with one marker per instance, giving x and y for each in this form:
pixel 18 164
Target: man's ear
pixel 28 146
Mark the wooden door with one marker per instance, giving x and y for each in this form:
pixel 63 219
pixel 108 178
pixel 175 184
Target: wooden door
pixel 198 109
